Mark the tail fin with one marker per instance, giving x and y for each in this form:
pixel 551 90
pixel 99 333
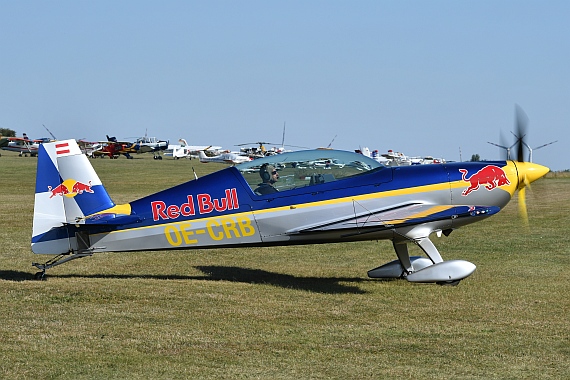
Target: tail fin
pixel 202 156
pixel 67 190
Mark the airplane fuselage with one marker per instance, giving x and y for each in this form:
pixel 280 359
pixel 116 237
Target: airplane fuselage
pixel 221 210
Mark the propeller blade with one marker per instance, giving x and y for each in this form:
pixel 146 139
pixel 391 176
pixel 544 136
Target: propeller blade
pixel 521 128
pixel 527 173
pixel 522 206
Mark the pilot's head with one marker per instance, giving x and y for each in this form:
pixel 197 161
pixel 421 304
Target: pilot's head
pixel 268 173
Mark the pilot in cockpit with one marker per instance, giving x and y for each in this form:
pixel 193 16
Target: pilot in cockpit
pixel 269 176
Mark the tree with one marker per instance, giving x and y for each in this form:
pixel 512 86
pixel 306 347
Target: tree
pixel 7 132
pixel 475 158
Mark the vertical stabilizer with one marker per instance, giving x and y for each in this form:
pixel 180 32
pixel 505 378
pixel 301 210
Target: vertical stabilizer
pixel 202 156
pixel 67 189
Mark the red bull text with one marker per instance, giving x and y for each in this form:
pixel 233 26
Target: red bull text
pixel 204 203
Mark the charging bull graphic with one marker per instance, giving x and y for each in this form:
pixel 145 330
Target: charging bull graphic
pixel 490 176
pixel 70 188
pixel 58 190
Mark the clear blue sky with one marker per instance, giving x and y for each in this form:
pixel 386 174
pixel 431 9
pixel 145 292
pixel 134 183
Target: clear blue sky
pixel 421 77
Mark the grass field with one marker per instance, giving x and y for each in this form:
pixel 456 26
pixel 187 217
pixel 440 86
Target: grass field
pixel 301 312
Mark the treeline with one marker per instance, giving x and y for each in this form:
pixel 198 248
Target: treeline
pixel 7 132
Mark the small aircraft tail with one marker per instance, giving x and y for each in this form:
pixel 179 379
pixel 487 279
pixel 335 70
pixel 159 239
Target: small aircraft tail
pixel 202 156
pixel 67 190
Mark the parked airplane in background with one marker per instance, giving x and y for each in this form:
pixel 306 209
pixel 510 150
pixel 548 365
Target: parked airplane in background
pixel 260 151
pixel 88 148
pixel 22 145
pixel 224 158
pixel 113 148
pixel 392 158
pixel 321 196
pixel 183 150
pixel 150 144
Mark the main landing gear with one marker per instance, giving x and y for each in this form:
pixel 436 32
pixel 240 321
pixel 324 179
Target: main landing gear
pixel 421 269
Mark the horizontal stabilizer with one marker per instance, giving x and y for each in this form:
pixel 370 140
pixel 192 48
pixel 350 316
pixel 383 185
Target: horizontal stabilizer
pixel 111 219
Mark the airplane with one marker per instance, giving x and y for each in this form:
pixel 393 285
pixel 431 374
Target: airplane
pixel 261 151
pixel 392 158
pixel 113 148
pixel 22 145
pixel 356 199
pixel 224 158
pixel 257 152
pixel 147 144
pixel 183 150
pixel 89 148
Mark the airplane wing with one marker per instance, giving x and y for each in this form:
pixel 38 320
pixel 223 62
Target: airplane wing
pixel 143 149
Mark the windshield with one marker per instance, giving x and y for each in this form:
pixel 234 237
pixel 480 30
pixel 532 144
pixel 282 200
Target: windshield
pixel 304 168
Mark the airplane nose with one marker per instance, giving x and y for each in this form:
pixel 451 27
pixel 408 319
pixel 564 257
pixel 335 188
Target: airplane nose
pixel 530 172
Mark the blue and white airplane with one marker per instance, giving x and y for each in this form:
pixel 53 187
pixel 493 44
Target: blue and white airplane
pixel 303 197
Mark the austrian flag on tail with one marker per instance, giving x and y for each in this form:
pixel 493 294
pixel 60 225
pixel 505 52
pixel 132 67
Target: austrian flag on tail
pixel 62 148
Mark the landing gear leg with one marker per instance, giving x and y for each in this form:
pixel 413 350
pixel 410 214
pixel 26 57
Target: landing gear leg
pixel 404 266
pixel 430 250
pixel 401 249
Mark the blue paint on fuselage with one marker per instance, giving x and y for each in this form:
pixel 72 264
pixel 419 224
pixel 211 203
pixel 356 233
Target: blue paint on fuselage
pixel 216 184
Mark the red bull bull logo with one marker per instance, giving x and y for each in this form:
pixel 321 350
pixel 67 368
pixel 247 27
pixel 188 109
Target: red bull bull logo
pixel 490 177
pixel 70 188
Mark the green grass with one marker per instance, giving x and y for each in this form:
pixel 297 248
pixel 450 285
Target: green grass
pixel 302 312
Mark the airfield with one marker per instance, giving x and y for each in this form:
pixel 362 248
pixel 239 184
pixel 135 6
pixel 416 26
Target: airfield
pixel 302 312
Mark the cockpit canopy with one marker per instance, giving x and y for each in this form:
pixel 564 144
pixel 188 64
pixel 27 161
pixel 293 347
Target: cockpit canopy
pixel 308 167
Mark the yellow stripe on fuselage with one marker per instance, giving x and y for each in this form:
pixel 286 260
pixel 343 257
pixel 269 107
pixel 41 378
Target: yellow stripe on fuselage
pixel 350 199
pixel 510 170
pixel 421 214
pixel 363 197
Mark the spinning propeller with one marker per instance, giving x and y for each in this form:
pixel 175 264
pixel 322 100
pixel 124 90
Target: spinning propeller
pixel 527 171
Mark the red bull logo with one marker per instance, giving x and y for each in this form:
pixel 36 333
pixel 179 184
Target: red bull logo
pixel 204 204
pixel 70 188
pixel 490 177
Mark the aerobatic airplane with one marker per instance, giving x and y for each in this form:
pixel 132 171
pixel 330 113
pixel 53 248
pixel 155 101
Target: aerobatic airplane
pixel 317 196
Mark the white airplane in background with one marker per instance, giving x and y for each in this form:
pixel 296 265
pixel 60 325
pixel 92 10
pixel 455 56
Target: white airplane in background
pixel 427 160
pixel 89 147
pixel 224 158
pixel 392 158
pixel 22 145
pixel 183 150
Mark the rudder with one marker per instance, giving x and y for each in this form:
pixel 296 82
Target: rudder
pixel 67 190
